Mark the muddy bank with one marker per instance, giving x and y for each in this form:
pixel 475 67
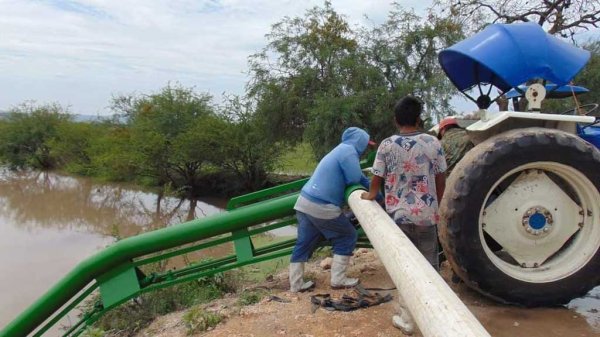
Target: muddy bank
pixel 271 318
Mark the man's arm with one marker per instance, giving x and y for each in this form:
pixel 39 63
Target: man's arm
pixel 440 185
pixel 374 189
pixel 351 170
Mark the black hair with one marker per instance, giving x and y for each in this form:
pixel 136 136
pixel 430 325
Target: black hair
pixel 407 111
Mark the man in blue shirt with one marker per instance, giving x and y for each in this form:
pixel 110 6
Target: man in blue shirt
pixel 319 213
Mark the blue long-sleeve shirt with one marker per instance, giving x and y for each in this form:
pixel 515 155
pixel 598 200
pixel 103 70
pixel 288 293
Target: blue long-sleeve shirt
pixel 338 169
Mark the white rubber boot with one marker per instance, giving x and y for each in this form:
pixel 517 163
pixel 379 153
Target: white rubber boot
pixel 338 273
pixel 297 283
pixel 404 320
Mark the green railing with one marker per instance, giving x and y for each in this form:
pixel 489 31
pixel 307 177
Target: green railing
pixel 115 271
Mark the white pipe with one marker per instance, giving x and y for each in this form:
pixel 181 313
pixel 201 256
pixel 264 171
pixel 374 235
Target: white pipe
pixel 434 306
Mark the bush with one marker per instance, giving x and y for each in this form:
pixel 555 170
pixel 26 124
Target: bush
pixel 131 317
pixel 93 332
pixel 249 297
pixel 198 320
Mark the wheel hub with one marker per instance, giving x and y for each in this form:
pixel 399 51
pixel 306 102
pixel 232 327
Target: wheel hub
pixel 537 221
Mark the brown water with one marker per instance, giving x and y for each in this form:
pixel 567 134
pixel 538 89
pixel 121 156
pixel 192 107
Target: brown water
pixel 50 222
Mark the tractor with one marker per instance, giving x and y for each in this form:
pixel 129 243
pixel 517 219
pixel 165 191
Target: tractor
pixel 520 217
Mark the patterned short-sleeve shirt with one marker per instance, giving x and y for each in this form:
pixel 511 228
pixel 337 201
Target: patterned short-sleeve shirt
pixel 408 164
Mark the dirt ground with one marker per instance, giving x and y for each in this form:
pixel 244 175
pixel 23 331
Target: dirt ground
pixel 273 318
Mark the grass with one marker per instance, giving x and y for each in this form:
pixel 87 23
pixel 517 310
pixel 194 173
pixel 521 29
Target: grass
pixel 131 317
pixel 249 297
pixel 260 271
pixel 298 161
pixel 198 320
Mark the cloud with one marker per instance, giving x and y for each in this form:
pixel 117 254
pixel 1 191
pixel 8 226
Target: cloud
pixel 79 53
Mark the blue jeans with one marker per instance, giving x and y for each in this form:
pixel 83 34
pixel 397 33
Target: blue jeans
pixel 311 231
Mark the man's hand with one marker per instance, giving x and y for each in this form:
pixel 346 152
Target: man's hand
pixel 373 190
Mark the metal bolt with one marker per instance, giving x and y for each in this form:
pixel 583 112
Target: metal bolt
pixel 546 230
pixel 535 265
pixel 589 213
pixel 483 225
pixel 550 221
pixel 484 213
pixel 528 229
pixel 581 212
pixel 581 225
pixel 523 265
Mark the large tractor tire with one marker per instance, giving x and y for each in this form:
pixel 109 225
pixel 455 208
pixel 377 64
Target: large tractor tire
pixel 520 217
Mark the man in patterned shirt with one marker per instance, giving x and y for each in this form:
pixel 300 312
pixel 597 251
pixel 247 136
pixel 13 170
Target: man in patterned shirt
pixel 411 165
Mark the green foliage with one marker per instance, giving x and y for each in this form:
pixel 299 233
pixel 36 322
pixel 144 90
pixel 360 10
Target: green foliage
pixel 93 332
pixel 129 318
pixel 249 297
pixel 27 134
pixel 111 155
pixel 405 49
pixel 313 60
pixel 198 320
pixel 317 76
pixel 299 160
pixel 245 148
pixel 166 142
pixel 589 77
pixel 330 117
pixel 71 146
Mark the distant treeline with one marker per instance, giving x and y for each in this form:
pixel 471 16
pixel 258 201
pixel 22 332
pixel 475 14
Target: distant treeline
pixel 174 139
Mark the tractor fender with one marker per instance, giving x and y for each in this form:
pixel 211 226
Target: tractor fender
pixel 494 123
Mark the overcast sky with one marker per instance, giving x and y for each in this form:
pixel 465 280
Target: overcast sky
pixel 80 53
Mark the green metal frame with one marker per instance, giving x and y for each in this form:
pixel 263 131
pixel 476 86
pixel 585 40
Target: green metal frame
pixel 115 271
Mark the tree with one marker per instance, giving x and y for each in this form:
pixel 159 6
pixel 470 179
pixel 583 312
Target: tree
pixel 589 77
pixel 244 147
pixel 317 76
pixel 313 59
pixel 404 49
pixel 165 138
pixel 27 133
pixel 565 18
pixel 71 146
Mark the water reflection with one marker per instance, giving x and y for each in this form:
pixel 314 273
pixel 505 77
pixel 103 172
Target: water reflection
pixel 50 222
pixel 33 200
